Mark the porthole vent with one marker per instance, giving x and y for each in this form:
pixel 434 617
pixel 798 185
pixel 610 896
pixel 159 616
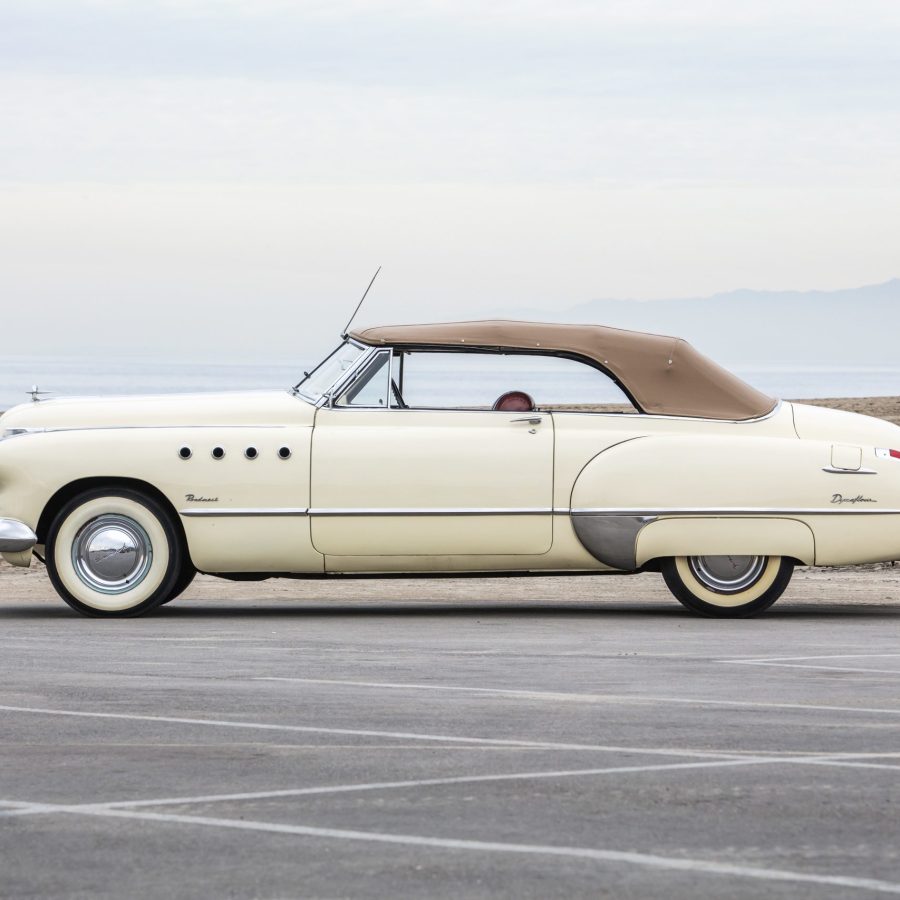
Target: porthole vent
pixel 284 452
pixel 251 453
pixel 185 452
pixel 218 452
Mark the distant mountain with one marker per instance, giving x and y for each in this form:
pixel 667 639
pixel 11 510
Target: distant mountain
pixel 853 327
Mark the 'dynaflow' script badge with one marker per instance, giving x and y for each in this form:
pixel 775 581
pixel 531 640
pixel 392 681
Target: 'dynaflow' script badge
pixel 193 498
pixel 840 498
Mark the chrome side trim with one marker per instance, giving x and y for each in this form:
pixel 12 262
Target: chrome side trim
pixel 16 432
pixel 324 512
pixel 611 539
pixel 225 511
pixel 583 513
pixel 15 536
pixel 435 511
pixel 833 470
pixel 733 511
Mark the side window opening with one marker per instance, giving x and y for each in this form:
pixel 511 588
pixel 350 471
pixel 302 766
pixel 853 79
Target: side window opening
pixel 477 380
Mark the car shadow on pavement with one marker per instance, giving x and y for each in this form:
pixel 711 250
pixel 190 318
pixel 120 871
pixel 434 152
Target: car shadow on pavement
pixel 362 609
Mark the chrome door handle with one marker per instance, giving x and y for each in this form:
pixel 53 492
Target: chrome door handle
pixel 531 420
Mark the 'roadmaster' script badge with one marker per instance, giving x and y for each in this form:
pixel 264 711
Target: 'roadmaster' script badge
pixel 840 498
pixel 193 498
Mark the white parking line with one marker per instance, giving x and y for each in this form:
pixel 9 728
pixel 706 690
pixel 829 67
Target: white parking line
pixel 396 735
pixel 27 809
pixel 492 743
pixel 698 866
pixel 838 760
pixel 433 782
pixel 472 779
pixel 761 659
pixel 20 808
pixel 568 696
pixel 845 763
pixel 803 662
pixel 825 668
pixel 807 662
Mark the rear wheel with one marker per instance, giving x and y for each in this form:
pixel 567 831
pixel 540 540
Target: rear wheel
pixel 114 552
pixel 727 586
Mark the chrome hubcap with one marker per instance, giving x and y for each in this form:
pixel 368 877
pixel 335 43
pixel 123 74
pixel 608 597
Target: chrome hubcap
pixel 112 554
pixel 727 574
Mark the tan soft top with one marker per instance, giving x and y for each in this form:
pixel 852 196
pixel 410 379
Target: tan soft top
pixel 663 375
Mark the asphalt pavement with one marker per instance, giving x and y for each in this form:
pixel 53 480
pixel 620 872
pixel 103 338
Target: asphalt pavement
pixel 358 746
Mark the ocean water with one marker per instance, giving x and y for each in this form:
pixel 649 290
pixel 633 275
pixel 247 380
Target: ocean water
pixel 479 381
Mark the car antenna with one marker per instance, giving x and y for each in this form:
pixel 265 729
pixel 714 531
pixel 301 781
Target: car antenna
pixel 346 330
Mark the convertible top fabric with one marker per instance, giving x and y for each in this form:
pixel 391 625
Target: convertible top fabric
pixel 663 375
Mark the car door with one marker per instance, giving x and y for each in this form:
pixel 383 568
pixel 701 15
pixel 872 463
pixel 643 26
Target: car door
pixel 399 482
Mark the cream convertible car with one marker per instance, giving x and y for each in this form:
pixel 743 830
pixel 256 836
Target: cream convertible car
pixel 419 449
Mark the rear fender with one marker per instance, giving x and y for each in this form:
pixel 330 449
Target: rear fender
pixel 672 495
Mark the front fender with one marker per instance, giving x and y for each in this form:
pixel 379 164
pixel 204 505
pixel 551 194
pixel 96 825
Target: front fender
pixel 35 468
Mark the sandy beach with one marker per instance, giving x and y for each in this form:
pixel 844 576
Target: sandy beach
pixel 887 408
pixel 875 584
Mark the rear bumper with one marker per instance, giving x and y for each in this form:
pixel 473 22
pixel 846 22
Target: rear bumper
pixel 15 536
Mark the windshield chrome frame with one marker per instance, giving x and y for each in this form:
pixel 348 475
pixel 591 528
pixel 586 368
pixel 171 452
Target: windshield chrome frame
pixel 334 387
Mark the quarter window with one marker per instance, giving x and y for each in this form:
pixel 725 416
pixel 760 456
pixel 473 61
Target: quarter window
pixel 371 388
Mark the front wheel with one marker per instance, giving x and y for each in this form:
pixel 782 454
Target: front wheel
pixel 114 552
pixel 185 578
pixel 727 586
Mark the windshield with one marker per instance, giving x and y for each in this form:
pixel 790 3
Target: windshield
pixel 324 375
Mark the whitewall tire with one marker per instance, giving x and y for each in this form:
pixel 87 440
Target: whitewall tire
pixel 185 579
pixel 114 552
pixel 727 586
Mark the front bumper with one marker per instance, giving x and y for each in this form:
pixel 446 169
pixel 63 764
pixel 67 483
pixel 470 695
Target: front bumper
pixel 15 536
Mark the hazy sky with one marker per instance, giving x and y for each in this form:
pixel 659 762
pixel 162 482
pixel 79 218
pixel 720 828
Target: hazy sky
pixel 223 176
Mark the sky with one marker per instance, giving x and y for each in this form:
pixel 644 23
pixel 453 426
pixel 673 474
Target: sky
pixel 220 178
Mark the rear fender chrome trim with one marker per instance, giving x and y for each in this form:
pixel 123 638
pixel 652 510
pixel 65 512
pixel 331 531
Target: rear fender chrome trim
pixel 611 535
pixel 611 539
